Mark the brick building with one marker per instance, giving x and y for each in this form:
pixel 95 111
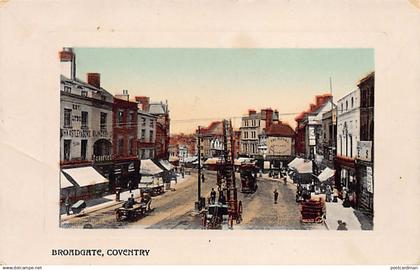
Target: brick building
pixel 126 163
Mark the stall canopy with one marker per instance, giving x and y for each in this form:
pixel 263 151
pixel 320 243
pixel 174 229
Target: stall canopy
pixel 326 174
pixel 64 181
pixel 190 159
pixel 165 164
pixel 148 167
pixel 301 165
pixel 242 160
pixel 212 161
pixel 84 176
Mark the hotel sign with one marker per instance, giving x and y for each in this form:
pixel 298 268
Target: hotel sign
pixel 279 146
pixel 364 150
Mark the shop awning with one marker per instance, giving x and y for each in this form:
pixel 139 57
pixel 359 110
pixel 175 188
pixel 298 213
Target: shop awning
pixel 212 161
pixel 301 165
pixel 241 160
pixel 165 164
pixel 190 159
pixel 295 162
pixel 148 167
pixel 64 182
pixel 85 176
pixel 326 174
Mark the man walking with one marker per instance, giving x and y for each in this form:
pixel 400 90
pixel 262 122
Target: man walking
pixel 276 196
pixel 213 196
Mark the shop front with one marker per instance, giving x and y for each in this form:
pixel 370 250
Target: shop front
pixel 364 172
pixel 346 180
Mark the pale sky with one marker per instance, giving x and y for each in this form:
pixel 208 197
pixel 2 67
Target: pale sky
pixel 202 85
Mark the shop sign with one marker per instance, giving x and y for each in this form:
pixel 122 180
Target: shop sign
pixel 369 179
pixel 364 150
pixel 279 146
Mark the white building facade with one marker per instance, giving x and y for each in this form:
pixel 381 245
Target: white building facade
pixel 146 135
pixel 85 117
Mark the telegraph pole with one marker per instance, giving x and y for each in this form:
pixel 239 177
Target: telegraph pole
pixel 198 204
pixel 332 118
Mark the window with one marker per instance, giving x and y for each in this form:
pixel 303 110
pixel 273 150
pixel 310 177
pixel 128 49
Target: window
pixel 120 146
pixel 130 146
pixel 84 93
pixel 130 118
pixel 103 98
pixel 143 121
pixel 351 145
pixel 67 144
pixel 347 105
pixel 67 115
pixel 103 121
pixel 83 149
pixel 84 119
pixel 352 102
pixel 151 123
pixel 67 89
pixel 151 136
pixel 143 134
pixel 119 118
pixel 342 108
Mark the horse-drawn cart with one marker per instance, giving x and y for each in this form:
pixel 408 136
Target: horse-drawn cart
pixel 313 211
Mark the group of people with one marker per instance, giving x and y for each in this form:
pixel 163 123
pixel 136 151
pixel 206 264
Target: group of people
pixel 221 199
pixel 145 198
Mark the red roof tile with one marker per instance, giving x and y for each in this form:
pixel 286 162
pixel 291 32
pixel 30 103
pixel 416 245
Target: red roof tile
pixel 280 129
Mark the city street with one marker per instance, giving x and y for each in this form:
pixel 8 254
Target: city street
pixel 175 209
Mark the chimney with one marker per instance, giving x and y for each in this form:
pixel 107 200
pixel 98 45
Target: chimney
pixel 268 117
pixel 94 79
pixel 68 63
pixel 143 102
pixel 252 112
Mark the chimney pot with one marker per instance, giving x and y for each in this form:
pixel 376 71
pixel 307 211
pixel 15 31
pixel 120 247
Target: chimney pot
pixel 94 79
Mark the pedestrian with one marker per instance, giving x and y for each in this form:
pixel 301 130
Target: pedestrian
pixel 182 172
pixel 222 198
pixel 202 178
pixel 130 185
pixel 276 196
pixel 213 196
pixel 67 203
pixel 341 226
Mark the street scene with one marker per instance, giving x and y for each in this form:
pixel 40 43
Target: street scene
pixel 217 139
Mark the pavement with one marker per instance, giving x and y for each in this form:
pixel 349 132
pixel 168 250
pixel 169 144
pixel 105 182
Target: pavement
pixel 109 200
pixel 337 215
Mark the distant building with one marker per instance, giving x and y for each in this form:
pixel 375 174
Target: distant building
pixel 146 132
pixel 348 135
pixel 161 111
pixel 365 148
pixel 329 137
pixel 252 127
pixel 309 143
pixel 280 141
pixel 212 140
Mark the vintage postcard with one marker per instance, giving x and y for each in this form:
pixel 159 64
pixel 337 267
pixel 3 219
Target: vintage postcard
pixel 217 138
pixel 209 132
